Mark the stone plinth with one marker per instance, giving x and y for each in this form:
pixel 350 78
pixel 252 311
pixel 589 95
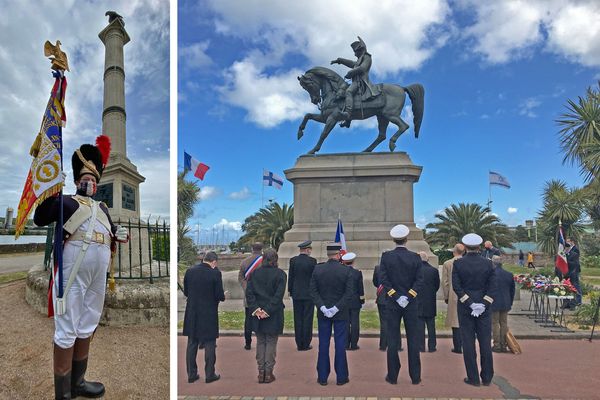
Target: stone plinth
pixel 371 192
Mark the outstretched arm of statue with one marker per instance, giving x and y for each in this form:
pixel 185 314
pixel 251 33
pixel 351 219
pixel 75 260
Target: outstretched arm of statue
pixel 344 61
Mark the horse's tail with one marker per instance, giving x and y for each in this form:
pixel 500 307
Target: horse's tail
pixel 416 92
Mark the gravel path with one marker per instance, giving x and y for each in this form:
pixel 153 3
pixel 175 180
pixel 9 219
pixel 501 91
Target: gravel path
pixel 133 362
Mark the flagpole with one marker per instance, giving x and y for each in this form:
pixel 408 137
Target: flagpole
pixel 58 242
pixel 262 194
pixel 489 205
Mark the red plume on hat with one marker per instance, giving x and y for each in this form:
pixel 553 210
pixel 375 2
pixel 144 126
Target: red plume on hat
pixel 103 144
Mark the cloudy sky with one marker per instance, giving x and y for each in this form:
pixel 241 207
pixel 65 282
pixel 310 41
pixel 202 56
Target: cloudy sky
pixel 26 81
pixel 496 75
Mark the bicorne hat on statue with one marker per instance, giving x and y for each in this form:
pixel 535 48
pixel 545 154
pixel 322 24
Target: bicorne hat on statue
pixel 90 159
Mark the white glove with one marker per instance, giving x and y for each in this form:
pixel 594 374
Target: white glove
pixel 402 301
pixel 326 311
pixel 122 235
pixel 333 310
pixel 478 309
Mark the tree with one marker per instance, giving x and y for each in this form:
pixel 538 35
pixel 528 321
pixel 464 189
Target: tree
pixel 521 234
pixel 268 225
pixel 188 195
pixel 561 205
pixel 458 220
pixel 580 133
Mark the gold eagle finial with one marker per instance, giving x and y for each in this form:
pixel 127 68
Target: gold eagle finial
pixel 58 58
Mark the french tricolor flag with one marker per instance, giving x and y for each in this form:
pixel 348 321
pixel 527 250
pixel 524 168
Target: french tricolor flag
pixel 197 168
pixel 340 237
pixel 561 258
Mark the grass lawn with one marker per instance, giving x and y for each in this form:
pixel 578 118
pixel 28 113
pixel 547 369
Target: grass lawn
pixel 369 319
pixel 12 276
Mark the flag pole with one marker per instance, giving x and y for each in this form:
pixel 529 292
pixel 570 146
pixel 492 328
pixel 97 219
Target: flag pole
pixel 489 204
pixel 262 191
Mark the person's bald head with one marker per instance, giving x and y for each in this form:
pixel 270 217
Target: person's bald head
pixel 458 250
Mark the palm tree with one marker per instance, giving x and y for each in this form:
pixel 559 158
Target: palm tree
pixel 580 133
pixel 561 206
pixel 268 225
pixel 458 220
pixel 188 194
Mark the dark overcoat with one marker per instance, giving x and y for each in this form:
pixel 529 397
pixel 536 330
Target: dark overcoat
pixel 265 290
pixel 505 290
pixel 331 285
pixel 203 287
pixel 431 283
pixel 358 289
pixel 301 269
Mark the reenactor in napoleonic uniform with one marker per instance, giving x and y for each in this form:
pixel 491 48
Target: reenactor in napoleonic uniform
pixel 473 280
pixel 300 272
pixel 356 303
pixel 402 278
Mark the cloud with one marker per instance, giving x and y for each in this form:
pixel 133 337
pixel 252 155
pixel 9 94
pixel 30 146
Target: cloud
pixel 512 210
pixel 241 195
pixel 194 55
pixel 230 225
pixel 209 192
pixel 528 105
pixel 27 80
pixel 508 30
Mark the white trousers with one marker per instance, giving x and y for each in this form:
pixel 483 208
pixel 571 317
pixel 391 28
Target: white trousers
pixel 85 299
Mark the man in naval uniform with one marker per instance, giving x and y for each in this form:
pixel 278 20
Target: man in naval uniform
pixel 300 272
pixel 474 281
pixel 331 289
pixel 402 279
pixel 356 302
pixel 88 234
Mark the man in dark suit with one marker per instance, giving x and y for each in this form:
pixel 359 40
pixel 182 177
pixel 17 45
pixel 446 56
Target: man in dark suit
pixel 474 282
pixel 402 278
pixel 331 289
pixel 247 267
pixel 427 309
pixel 505 293
pixel 203 287
pixel 356 302
pixel 300 272
pixel 574 271
pixel 380 301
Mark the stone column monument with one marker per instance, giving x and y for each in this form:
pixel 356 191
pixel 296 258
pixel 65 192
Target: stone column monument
pixel 119 188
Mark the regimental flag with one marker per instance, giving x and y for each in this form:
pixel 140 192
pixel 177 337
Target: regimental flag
pixel 561 258
pixel 272 179
pixel 45 174
pixel 191 164
pixel 340 237
pixel 497 179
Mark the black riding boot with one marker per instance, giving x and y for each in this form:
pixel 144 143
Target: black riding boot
pixel 81 387
pixel 62 387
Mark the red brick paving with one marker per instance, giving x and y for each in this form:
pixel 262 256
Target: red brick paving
pixel 547 369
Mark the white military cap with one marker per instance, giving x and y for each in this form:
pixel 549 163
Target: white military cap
pixel 399 232
pixel 348 256
pixel 472 239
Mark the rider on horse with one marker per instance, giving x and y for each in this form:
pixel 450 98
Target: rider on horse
pixel 359 74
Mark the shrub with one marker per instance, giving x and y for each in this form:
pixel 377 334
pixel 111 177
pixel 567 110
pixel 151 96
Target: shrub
pixel 585 313
pixel 443 255
pixel 160 248
pixel 590 261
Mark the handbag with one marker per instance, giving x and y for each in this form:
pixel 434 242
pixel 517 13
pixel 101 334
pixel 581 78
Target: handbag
pixel 512 343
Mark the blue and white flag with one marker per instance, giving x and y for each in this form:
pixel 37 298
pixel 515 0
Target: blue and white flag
pixel 271 179
pixel 497 179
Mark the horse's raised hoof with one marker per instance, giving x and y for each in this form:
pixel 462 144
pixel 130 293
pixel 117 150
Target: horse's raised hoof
pixel 300 133
pixel 392 146
pixel 313 151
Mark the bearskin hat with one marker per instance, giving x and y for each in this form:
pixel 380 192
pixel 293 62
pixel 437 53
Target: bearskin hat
pixel 90 159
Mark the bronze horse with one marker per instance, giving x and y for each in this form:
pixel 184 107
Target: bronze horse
pixel 327 90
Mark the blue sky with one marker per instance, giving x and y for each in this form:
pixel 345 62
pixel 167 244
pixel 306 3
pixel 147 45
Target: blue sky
pixel 496 75
pixel 27 80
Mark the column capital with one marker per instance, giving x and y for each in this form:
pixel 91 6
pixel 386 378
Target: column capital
pixel 116 26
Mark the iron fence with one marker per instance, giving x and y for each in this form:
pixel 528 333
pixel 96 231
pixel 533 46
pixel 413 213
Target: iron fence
pixel 144 256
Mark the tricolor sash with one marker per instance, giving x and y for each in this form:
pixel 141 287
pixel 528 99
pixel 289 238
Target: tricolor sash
pixel 253 265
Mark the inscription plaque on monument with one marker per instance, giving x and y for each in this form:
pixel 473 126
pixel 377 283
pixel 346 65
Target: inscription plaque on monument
pixel 105 194
pixel 128 197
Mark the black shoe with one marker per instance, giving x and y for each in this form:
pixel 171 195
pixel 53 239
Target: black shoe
pixel 193 378
pixel 248 346
pixel 416 381
pixel 340 383
pixel 383 349
pixel 432 350
pixel 497 350
pixel 456 351
pixel 468 382
pixel 484 383
pixel 322 383
pixel 213 378
pixel 353 347
pixel 81 387
pixel 400 349
pixel 388 380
